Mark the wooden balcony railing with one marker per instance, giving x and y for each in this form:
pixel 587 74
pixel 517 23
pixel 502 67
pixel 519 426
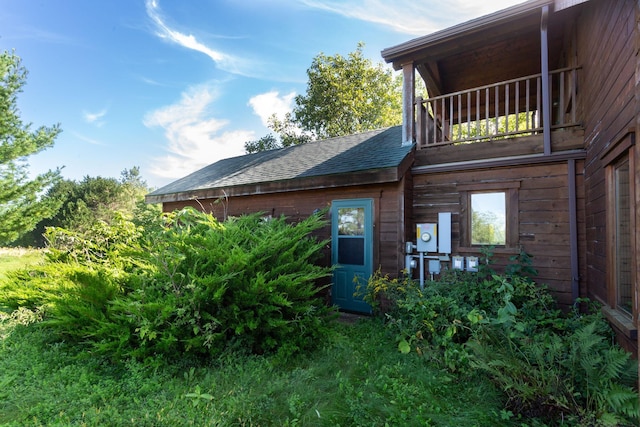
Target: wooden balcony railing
pixel 497 111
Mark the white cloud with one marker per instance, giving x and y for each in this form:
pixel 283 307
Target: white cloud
pixel 95 118
pixel 87 139
pixel 224 61
pixel 267 104
pixel 409 16
pixel 194 138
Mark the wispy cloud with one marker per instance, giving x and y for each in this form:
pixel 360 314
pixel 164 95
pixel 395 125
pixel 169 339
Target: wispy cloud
pixel 267 104
pixel 195 139
pixel 410 16
pixel 95 118
pixel 88 140
pixel 223 60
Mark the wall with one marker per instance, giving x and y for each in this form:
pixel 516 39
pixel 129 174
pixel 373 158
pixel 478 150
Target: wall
pixel 606 52
pixel 389 221
pixel 543 215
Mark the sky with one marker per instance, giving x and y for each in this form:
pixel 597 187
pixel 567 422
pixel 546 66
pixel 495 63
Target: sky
pixel 171 86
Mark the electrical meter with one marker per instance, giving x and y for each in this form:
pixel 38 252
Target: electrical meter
pixel 427 237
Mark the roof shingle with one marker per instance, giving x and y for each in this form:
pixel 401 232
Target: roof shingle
pixel 377 149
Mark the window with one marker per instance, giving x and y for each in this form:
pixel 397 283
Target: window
pixel 622 237
pixel 489 215
pixel 620 226
pixel 488 219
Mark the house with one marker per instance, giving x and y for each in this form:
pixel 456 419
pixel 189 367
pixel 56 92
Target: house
pixel 363 178
pixel 525 136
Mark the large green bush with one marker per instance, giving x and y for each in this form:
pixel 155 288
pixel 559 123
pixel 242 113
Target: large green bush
pixel 183 284
pixel 550 365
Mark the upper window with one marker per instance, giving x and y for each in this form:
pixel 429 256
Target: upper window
pixel 489 214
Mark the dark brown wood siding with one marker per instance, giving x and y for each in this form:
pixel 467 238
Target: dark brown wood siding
pixel 607 54
pixel 389 214
pixel 543 215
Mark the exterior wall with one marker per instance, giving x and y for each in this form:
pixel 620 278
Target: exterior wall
pixel 389 224
pixel 543 216
pixel 607 52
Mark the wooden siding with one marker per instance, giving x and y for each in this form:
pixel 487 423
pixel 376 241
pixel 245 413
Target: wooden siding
pixel 606 49
pixel 543 215
pixel 389 222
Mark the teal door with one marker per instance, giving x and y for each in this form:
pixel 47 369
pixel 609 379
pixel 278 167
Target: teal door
pixel 351 251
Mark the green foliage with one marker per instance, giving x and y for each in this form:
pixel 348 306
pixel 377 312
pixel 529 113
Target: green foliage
pixel 550 365
pixel 287 133
pixel 575 374
pixel 354 379
pixel 21 206
pixel 182 284
pixel 345 95
pixel 16 258
pixel 89 201
pixel 348 95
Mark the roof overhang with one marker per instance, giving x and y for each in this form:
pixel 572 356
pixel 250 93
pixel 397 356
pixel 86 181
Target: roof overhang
pixel 358 178
pixel 498 47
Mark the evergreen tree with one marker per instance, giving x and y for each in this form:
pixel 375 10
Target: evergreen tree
pixel 21 204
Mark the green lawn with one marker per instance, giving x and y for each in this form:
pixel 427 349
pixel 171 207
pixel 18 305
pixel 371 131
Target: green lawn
pixel 356 379
pixel 14 258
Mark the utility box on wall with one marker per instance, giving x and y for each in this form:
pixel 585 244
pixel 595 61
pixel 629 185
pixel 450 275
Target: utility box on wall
pixel 427 237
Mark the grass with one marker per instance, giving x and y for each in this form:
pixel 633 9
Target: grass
pixel 14 258
pixel 356 378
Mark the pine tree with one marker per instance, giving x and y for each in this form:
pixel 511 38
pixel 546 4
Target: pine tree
pixel 21 203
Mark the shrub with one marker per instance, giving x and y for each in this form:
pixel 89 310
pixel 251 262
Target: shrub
pixel 549 365
pixel 183 284
pixel 247 283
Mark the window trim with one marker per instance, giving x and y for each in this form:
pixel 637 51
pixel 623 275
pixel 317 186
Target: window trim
pixel 618 153
pixel 511 190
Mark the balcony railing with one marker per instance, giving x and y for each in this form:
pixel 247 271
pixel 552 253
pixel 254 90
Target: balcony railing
pixel 497 111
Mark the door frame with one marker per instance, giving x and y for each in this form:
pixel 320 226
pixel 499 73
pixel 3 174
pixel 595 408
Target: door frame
pixel 352 303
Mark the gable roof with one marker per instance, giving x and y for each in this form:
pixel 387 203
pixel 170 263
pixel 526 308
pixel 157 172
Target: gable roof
pixel 368 157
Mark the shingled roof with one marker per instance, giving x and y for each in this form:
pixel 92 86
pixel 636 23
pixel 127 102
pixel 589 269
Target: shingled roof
pixel 295 168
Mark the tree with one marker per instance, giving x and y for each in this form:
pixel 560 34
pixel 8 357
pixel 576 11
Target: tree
pixel 344 96
pixel 91 200
pixel 287 133
pixel 21 204
pixel 348 95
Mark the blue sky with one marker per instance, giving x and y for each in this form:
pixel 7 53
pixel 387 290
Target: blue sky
pixel 172 86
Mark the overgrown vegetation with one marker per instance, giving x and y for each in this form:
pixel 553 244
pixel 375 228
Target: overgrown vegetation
pixel 560 368
pixel 181 319
pixel 184 284
pixel 354 378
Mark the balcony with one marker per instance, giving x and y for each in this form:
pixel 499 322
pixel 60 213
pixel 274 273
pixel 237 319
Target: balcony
pixel 500 111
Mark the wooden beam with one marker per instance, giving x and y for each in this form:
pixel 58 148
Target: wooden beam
pixel 408 102
pixel 546 95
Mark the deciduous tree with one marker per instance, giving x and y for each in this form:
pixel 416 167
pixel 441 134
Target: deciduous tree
pixel 345 95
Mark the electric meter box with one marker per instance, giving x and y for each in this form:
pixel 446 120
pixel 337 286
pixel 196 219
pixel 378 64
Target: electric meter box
pixel 427 237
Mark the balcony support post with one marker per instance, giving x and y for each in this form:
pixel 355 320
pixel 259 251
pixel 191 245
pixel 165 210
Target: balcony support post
pixel 546 96
pixel 408 103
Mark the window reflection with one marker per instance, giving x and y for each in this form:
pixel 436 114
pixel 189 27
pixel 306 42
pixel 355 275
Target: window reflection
pixel 351 221
pixel 488 219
